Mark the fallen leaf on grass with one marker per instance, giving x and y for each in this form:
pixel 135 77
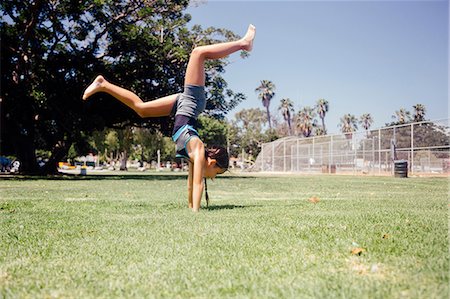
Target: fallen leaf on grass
pixel 4 276
pixel 358 251
pixel 314 199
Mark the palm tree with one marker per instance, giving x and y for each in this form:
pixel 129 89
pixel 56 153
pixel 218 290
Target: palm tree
pixel 348 124
pixel 266 91
pixel 402 116
pixel 322 109
pixel 366 121
pixel 287 107
pixel 319 131
pixel 306 121
pixel 419 112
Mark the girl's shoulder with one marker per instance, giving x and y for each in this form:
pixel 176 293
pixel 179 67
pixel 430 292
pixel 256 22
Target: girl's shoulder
pixel 195 147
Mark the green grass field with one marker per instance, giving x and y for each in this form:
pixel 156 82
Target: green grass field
pixel 133 236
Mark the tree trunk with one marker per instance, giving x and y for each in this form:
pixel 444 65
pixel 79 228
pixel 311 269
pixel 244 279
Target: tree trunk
pixel 26 155
pixel 123 161
pixel 323 125
pixel 58 153
pixel 268 116
pixel 289 126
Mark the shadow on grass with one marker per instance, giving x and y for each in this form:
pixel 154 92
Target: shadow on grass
pixel 226 207
pixel 111 176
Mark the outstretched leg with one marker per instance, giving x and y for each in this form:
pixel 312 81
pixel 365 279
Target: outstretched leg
pixel 160 107
pixel 195 72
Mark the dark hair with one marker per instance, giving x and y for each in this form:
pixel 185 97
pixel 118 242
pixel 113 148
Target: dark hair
pixel 220 154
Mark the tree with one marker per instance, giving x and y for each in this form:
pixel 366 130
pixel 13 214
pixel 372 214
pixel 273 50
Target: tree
pixel 322 109
pixel 251 119
pixel 419 112
pixel 319 131
pixel 149 142
pixel 366 121
pixel 51 50
pixel 213 131
pixel 402 116
pixel 287 107
pixel 306 121
pixel 217 105
pixel 348 124
pixel 112 144
pixel 247 131
pixel 266 91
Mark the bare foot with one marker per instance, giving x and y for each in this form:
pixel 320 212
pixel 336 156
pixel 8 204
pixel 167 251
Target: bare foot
pixel 94 87
pixel 248 38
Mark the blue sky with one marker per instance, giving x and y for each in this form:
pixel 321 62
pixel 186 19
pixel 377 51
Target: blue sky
pixel 362 56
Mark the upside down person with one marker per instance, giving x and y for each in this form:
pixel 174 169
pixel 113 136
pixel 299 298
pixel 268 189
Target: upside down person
pixel 203 163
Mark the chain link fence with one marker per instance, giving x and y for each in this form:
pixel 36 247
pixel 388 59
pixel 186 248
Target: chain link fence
pixel 424 145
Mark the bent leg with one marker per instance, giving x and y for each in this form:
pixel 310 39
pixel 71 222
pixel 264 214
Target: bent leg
pixel 195 72
pixel 160 107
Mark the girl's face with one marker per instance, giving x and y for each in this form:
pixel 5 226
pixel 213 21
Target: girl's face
pixel 211 169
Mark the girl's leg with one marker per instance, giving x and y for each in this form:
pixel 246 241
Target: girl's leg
pixel 195 72
pixel 160 107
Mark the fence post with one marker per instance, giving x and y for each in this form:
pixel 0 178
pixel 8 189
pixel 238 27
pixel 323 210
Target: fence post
pixel 373 153
pixel 330 161
pixel 292 158
pixel 298 158
pixel 284 155
pixel 412 149
pixel 262 156
pixel 273 156
pixel 314 151
pixel 379 151
pixel 355 152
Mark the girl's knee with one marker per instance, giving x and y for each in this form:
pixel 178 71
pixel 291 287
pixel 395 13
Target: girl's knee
pixel 198 52
pixel 139 109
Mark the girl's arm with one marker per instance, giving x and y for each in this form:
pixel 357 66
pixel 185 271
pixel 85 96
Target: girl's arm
pixel 190 184
pixel 196 151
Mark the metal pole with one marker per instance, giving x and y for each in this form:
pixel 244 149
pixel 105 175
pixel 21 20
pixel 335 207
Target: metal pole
pixel 412 148
pixel 298 158
pixel 314 150
pixel 284 155
pixel 292 158
pixel 373 152
pixel 1 126
pixel 429 161
pixel 242 158
pixel 309 157
pixel 355 153
pixel 379 151
pixel 331 155
pixel 273 156
pixel 158 152
pixel 321 155
pixel 262 156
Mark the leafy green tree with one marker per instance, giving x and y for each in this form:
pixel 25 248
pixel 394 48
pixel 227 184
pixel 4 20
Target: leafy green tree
pixel 287 108
pixel 51 50
pixel 248 131
pixel 112 144
pixel 148 142
pixel 266 91
pixel 213 131
pixel 322 108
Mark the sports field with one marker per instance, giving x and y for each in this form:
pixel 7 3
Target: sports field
pixel 133 236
